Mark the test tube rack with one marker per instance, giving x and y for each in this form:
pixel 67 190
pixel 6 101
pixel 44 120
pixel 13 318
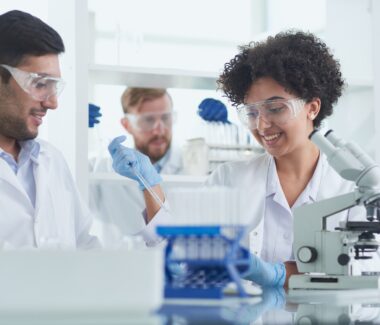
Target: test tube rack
pixel 207 259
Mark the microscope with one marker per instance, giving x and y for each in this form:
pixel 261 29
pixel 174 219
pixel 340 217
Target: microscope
pixel 328 258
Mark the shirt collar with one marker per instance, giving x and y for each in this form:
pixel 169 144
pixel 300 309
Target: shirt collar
pixel 313 186
pixel 30 148
pixel 29 152
pixel 160 164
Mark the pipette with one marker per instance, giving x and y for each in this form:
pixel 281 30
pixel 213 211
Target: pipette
pixel 149 188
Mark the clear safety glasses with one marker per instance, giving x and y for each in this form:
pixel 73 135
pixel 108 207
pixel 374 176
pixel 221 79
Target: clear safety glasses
pixel 148 121
pixel 39 87
pixel 276 111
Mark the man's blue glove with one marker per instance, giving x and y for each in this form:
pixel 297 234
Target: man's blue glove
pixel 265 274
pixel 127 161
pixel 93 115
pixel 213 110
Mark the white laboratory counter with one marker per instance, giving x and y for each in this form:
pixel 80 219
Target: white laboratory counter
pixel 277 307
pixel 273 307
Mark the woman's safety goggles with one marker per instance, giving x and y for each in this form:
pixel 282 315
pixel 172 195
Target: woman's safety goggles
pixel 39 87
pixel 276 111
pixel 148 121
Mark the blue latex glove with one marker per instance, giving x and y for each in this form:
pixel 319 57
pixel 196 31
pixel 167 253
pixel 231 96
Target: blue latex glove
pixel 266 274
pixel 126 159
pixel 93 115
pixel 213 110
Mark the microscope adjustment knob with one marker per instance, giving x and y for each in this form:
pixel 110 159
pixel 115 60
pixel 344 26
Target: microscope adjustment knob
pixel 307 254
pixel 343 259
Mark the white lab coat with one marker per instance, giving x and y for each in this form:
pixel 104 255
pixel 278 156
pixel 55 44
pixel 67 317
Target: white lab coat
pixel 59 219
pixel 251 178
pixel 174 164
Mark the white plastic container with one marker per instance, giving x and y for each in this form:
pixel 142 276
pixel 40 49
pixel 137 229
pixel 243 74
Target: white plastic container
pixel 195 157
pixel 94 282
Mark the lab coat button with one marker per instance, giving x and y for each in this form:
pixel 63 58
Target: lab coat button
pixel 255 233
pixel 286 236
pixel 256 252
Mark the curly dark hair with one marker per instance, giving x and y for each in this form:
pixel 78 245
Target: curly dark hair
pixel 298 61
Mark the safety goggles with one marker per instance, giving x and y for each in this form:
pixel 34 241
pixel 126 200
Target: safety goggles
pixel 39 87
pixel 148 121
pixel 276 111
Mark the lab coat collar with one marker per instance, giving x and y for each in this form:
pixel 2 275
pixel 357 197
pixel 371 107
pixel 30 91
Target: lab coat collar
pixel 272 181
pixel 29 150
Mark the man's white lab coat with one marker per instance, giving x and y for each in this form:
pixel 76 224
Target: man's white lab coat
pixel 59 219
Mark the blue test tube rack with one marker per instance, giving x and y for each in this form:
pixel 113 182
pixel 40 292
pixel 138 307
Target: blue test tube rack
pixel 200 261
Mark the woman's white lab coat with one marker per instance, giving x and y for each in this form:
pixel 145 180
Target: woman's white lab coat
pixel 251 178
pixel 59 218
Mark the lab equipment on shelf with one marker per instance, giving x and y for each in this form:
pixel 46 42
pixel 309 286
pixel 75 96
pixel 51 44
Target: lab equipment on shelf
pixel 203 261
pixel 195 157
pixel 228 142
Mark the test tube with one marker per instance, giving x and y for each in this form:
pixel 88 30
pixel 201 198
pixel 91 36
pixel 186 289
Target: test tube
pixel 149 188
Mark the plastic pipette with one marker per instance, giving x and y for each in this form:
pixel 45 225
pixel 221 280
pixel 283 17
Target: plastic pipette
pixel 148 188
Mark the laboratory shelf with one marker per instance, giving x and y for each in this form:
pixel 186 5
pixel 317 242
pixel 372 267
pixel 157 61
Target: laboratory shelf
pixel 231 146
pixel 358 84
pixel 221 160
pixel 152 77
pixel 113 177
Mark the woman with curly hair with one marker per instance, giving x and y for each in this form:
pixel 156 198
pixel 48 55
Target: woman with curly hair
pixel 283 88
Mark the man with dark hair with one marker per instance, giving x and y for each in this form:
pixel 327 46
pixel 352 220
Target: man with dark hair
pixel 40 204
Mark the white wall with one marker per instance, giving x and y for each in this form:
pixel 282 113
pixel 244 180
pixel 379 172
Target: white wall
pixel 349 33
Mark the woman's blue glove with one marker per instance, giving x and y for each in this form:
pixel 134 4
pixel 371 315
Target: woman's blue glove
pixel 93 115
pixel 265 274
pixel 213 110
pixel 127 161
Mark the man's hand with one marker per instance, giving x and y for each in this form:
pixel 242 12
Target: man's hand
pixel 127 162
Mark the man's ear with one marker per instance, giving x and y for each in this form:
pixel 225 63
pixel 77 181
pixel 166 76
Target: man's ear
pixel 126 124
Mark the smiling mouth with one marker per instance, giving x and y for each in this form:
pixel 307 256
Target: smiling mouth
pixel 271 137
pixel 38 116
